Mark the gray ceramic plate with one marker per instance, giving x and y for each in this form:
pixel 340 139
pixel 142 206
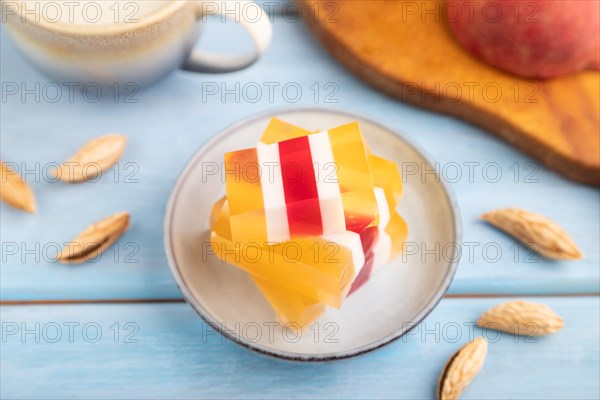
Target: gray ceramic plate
pixel 398 297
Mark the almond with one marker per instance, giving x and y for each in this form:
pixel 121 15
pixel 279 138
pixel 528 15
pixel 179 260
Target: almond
pixel 522 318
pixel 536 231
pixel 94 239
pixel 461 369
pixel 93 159
pixel 14 190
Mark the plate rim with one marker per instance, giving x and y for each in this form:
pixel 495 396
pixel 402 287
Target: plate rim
pixel 283 355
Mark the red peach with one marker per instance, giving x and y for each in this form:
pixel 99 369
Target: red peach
pixel 530 38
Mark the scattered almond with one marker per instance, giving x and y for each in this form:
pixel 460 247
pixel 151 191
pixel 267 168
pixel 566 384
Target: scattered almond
pixel 14 190
pixel 536 231
pixel 94 239
pixel 522 318
pixel 461 369
pixel 92 159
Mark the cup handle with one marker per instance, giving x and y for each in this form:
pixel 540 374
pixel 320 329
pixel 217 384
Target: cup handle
pixel 259 28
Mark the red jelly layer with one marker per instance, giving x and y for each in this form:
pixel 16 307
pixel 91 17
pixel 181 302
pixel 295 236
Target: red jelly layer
pixel 300 188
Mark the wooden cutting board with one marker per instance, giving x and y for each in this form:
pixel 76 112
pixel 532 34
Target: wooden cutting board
pixel 410 54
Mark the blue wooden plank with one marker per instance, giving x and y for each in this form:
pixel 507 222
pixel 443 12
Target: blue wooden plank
pixel 172 119
pixel 170 356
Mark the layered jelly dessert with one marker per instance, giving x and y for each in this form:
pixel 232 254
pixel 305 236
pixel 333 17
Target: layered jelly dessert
pixel 309 215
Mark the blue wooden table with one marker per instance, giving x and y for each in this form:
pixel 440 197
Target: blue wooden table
pixel 117 327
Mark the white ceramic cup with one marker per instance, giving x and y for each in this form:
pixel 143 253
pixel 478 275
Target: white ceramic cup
pixel 112 42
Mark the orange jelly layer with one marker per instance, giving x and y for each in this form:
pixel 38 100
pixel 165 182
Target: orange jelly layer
pixel 293 307
pixel 306 265
pixel 387 176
